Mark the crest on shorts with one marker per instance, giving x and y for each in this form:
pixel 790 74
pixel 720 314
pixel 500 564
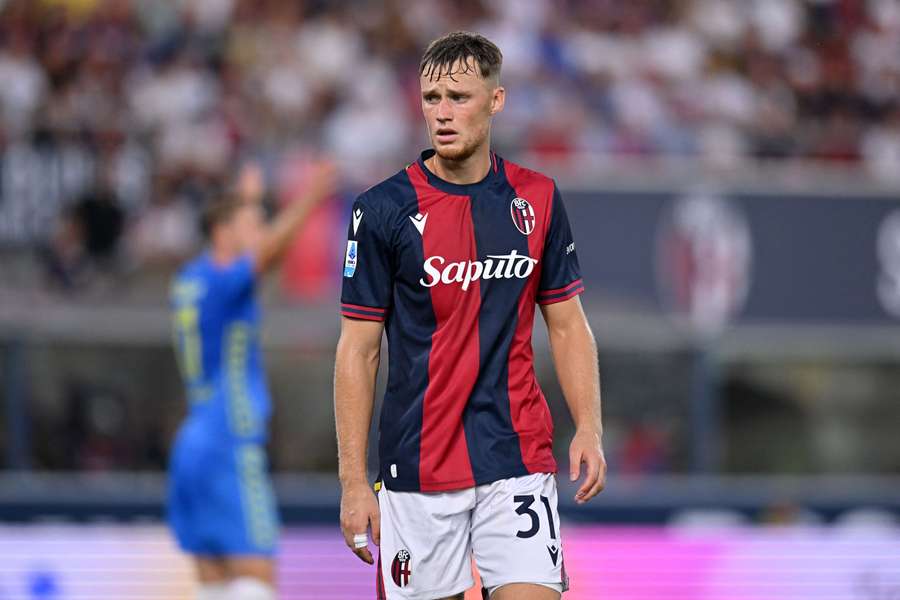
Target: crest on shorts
pixel 522 215
pixel 401 568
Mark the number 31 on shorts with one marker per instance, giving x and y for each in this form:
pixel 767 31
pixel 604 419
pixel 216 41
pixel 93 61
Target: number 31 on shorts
pixel 524 509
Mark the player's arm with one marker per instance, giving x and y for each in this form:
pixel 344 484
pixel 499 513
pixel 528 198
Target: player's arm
pixel 356 365
pixel 575 358
pixel 278 235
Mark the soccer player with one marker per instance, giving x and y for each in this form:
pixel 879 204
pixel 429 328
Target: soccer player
pixel 221 506
pixel 451 255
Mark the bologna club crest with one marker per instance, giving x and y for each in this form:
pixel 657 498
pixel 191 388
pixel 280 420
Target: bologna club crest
pixel 704 258
pixel 401 569
pixel 522 215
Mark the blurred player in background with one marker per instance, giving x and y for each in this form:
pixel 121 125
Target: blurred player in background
pixel 221 505
pixel 451 254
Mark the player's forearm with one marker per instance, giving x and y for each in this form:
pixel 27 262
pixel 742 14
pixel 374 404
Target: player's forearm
pixel 354 392
pixel 282 231
pixel 575 358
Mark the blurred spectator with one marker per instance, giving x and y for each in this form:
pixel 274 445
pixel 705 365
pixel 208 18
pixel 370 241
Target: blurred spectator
pixel 24 82
pixel 86 238
pixel 881 148
pixel 65 255
pixel 102 220
pixel 165 233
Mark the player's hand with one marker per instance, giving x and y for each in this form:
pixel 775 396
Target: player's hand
pixel 359 513
pixel 251 183
pixel 586 449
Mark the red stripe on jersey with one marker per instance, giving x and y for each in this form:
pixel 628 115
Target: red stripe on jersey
pixel 454 359
pixel 553 300
pixel 355 315
pixel 528 408
pixel 566 288
pixel 366 308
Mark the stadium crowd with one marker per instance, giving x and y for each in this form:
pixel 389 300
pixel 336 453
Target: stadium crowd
pixel 133 111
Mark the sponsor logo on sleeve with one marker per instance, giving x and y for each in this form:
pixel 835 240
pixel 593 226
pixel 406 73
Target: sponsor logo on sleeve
pixel 351 258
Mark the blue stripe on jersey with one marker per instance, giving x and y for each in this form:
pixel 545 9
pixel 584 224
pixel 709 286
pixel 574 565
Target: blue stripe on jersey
pixel 410 325
pixel 493 443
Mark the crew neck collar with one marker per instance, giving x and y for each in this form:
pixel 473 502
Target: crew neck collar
pixel 460 189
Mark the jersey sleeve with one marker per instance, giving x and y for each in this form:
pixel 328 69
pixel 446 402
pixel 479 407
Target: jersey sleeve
pixel 560 275
pixel 368 274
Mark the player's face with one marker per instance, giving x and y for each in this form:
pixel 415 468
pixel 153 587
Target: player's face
pixel 458 110
pixel 247 226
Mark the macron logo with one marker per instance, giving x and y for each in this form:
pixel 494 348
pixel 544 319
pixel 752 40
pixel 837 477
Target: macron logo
pixel 419 222
pixel 554 553
pixel 357 219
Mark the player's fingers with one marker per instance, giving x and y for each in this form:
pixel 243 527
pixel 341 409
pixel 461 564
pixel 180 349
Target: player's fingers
pixel 601 482
pixel 354 529
pixel 375 522
pixel 348 537
pixel 364 555
pixel 574 463
pixel 595 489
pixel 590 478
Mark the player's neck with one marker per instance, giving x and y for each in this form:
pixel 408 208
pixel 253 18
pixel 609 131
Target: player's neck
pixel 462 172
pixel 222 254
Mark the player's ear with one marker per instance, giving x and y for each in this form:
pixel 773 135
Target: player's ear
pixel 498 100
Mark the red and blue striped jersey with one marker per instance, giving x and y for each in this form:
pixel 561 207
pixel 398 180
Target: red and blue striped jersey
pixel 455 272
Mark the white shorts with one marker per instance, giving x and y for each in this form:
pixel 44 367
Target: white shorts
pixel 511 527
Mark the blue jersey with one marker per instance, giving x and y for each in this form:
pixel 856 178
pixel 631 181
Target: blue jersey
pixel 216 328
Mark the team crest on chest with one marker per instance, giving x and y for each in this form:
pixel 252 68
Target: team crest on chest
pixel 522 215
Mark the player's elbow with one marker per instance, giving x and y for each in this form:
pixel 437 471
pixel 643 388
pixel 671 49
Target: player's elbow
pixel 353 350
pixel 574 334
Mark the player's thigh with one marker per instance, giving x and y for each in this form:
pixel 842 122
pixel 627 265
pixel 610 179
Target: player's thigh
pixel 210 570
pixel 240 515
pixel 425 550
pixel 251 566
pixel 184 504
pixel 516 536
pixel 525 591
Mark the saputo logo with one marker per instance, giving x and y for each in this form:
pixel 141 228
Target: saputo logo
pixel 495 266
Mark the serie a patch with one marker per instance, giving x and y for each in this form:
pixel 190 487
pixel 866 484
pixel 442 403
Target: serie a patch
pixel 351 258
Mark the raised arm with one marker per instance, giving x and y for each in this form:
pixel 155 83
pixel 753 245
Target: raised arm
pixel 355 368
pixel 575 358
pixel 278 235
